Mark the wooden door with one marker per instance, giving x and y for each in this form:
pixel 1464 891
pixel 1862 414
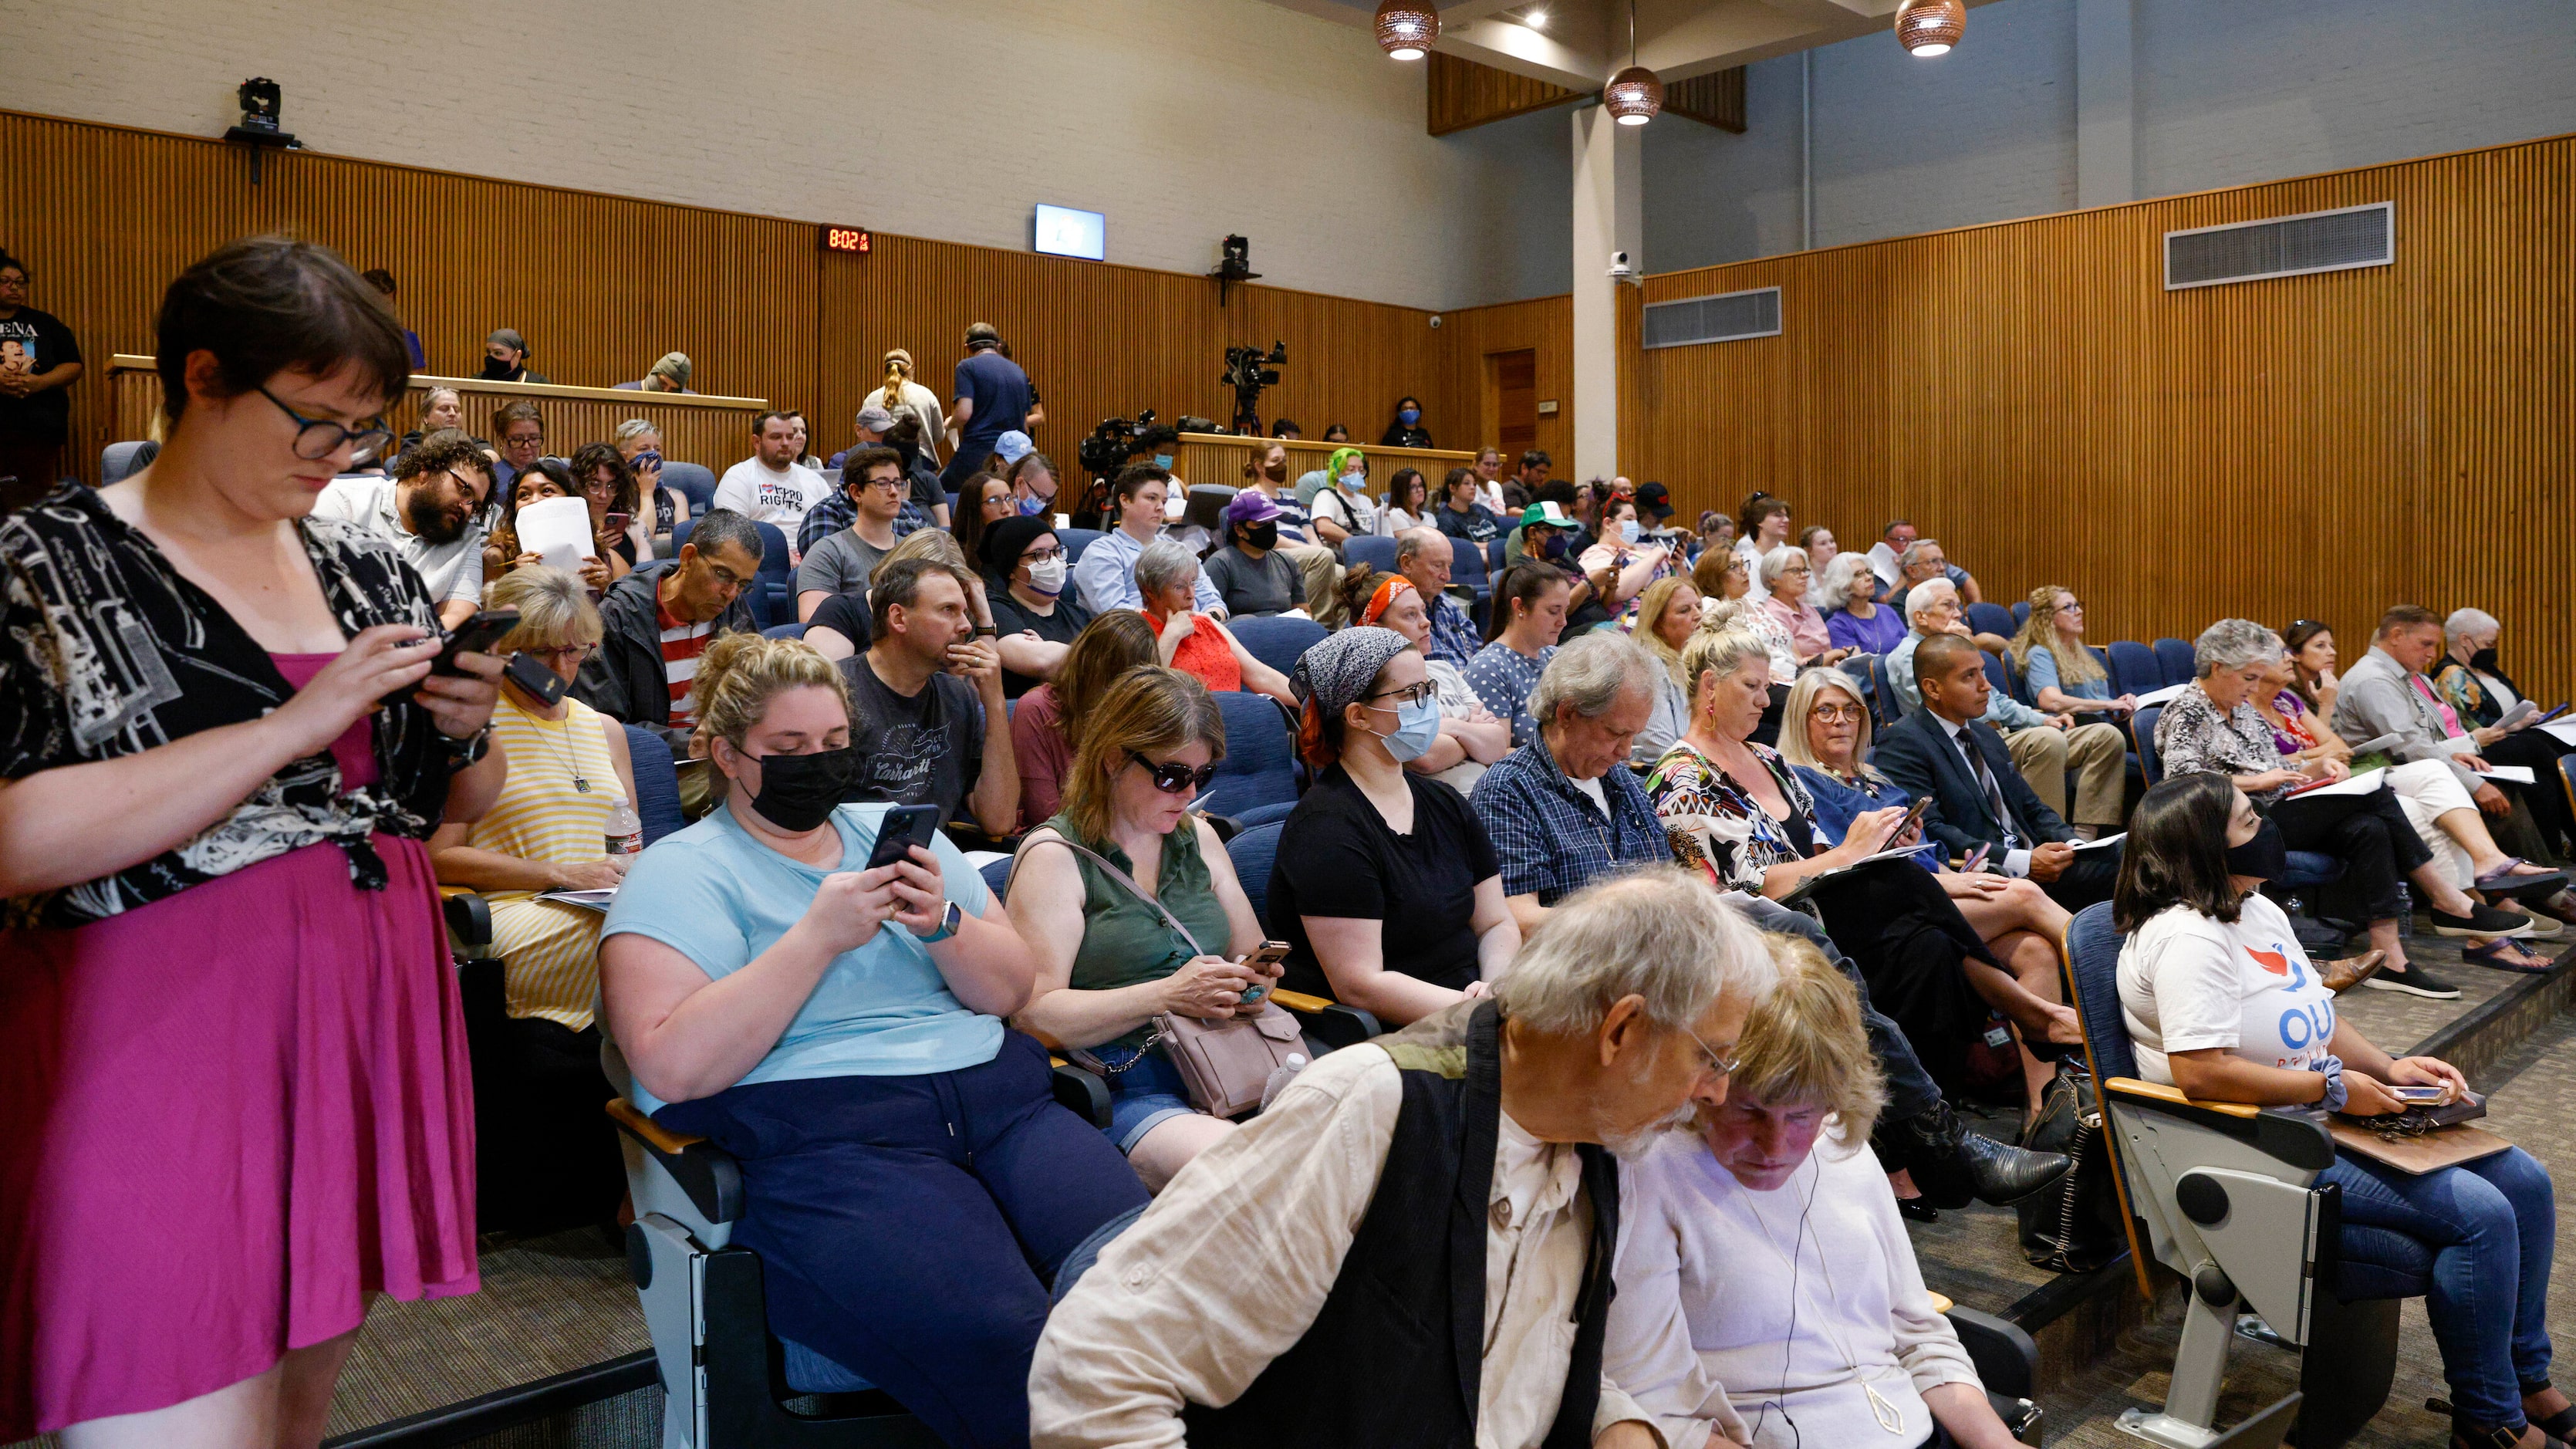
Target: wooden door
pixel 1511 382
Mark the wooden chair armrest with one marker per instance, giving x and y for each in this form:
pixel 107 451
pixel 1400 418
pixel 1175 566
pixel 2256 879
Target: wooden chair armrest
pixel 2296 1136
pixel 2150 1091
pixel 1082 1093
pixel 1330 1022
pixel 705 1172
pixel 1298 1001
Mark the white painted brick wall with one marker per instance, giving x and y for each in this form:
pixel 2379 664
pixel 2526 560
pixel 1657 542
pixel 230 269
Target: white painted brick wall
pixel 1183 120
pixel 2227 92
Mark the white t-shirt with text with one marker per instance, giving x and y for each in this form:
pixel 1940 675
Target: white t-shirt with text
pixel 777 496
pixel 2189 981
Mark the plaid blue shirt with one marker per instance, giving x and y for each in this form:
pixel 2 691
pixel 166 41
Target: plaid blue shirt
pixel 1453 634
pixel 1550 837
pixel 837 512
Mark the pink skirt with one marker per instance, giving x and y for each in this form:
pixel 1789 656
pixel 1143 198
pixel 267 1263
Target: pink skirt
pixel 225 1118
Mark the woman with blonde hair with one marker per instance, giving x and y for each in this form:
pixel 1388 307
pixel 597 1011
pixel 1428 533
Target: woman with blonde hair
pixel 1667 616
pixel 1044 724
pixel 827 1023
pixel 1766 1286
pixel 1109 960
pixel 551 1159
pixel 900 394
pixel 2063 675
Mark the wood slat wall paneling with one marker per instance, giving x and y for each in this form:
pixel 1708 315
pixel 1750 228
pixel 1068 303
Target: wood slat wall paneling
pixel 1715 99
pixel 1208 458
pixel 2316 446
pixel 1544 325
pixel 603 285
pixel 1463 93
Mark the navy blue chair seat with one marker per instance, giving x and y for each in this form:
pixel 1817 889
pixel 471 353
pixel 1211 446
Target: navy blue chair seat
pixel 2134 669
pixel 657 783
pixel 1073 541
pixel 119 461
pixel 1377 553
pixel 791 630
pixel 1254 853
pixel 695 484
pixel 2020 612
pixel 1278 639
pixel 1991 619
pixel 2174 661
pixel 1260 764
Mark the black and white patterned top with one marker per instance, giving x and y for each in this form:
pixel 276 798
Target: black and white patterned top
pixel 106 651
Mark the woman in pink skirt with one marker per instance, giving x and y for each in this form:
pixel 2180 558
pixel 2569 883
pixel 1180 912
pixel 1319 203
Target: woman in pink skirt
pixel 233 1092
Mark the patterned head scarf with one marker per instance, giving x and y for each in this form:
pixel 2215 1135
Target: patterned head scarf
pixel 1332 675
pixel 1394 587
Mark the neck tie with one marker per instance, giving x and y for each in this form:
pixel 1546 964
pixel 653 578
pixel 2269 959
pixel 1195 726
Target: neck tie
pixel 1986 780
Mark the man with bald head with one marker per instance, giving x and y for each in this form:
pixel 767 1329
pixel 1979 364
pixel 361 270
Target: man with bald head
pixel 1424 555
pixel 1946 752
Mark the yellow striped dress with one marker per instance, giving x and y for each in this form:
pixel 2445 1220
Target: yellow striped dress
pixel 549 952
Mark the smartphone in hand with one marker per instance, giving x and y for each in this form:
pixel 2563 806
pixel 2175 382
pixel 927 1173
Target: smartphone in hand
pixel 2419 1096
pixel 1270 954
pixel 903 827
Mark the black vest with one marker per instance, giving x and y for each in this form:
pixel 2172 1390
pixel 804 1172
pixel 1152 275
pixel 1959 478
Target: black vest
pixel 1395 1357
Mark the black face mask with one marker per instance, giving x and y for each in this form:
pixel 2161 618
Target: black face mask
pixel 495 370
pixel 1262 535
pixel 798 792
pixel 2265 857
pixel 2484 662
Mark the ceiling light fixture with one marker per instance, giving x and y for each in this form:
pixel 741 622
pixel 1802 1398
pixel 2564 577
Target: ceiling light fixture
pixel 1405 31
pixel 1634 95
pixel 1927 28
pixel 1535 19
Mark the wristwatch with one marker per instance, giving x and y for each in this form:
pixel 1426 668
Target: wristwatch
pixel 470 749
pixel 948 920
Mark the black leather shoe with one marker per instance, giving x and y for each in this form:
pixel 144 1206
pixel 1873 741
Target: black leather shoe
pixel 1952 1164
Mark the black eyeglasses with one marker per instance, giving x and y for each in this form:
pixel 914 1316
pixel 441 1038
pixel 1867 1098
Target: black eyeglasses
pixel 318 438
pixel 1416 695
pixel 1174 778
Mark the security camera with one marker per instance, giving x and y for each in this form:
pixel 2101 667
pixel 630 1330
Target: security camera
pixel 1619 265
pixel 1435 319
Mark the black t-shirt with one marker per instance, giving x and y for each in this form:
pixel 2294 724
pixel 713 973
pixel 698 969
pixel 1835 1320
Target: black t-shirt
pixel 1338 858
pixel 33 342
pixel 1011 617
pixel 926 750
pixel 847 613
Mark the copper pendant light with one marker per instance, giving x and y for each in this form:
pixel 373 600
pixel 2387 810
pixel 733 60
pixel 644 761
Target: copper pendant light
pixel 1927 28
pixel 1406 31
pixel 1634 95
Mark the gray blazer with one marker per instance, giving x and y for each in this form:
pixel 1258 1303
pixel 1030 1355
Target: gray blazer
pixel 2378 699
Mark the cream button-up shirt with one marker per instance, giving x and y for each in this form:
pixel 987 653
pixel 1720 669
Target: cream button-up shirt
pixel 1230 1266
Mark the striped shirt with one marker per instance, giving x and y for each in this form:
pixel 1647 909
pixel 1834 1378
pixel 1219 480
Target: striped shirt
pixel 549 952
pixel 681 646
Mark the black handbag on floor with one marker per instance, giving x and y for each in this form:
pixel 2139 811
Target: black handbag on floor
pixel 2073 1224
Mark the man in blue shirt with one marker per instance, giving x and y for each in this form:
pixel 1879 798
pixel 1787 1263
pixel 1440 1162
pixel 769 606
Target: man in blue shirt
pixel 1105 577
pixel 991 398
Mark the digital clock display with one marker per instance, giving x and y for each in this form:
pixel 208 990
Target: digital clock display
pixel 845 239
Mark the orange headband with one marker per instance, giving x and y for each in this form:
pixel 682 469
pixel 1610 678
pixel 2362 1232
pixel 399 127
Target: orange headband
pixel 1386 594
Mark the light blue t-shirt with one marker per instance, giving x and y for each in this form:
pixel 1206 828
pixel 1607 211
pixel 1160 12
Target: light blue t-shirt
pixel 720 898
pixel 2042 674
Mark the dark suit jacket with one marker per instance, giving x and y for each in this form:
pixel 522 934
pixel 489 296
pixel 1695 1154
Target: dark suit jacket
pixel 1916 753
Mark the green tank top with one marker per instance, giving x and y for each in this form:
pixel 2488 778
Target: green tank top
pixel 1124 941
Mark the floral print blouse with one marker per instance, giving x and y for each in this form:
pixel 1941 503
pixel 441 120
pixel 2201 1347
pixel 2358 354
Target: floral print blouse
pixel 1718 828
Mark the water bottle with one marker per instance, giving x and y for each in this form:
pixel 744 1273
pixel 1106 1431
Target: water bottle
pixel 625 828
pixel 1280 1077
pixel 2405 911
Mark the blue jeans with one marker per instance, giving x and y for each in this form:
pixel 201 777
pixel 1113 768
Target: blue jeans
pixel 1144 1096
pixel 907 1225
pixel 2482 1233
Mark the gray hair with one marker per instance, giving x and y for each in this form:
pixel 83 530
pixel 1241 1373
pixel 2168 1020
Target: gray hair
pixel 1591 674
pixel 1914 551
pixel 1658 933
pixel 1409 543
pixel 633 428
pixel 2470 624
pixel 2233 644
pixel 1921 596
pixel 1164 562
pixel 554 609
pixel 1776 562
pixel 1839 572
pixel 720 526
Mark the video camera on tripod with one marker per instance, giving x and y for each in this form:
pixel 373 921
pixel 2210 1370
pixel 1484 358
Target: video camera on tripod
pixel 1248 370
pixel 1114 444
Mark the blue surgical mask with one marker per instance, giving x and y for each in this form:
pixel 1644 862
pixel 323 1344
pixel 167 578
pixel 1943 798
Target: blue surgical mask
pixel 1417 728
pixel 1032 506
pixel 1409 416
pixel 1163 461
pixel 1628 529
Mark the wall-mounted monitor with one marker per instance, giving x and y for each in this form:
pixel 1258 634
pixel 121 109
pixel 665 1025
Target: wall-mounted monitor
pixel 1064 232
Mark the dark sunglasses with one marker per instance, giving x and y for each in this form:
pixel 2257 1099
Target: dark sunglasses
pixel 1174 778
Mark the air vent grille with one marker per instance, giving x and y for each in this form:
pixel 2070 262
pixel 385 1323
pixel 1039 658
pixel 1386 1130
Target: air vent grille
pixel 2287 246
pixel 1727 317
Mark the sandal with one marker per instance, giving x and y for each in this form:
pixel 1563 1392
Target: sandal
pixel 2503 881
pixel 2506 955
